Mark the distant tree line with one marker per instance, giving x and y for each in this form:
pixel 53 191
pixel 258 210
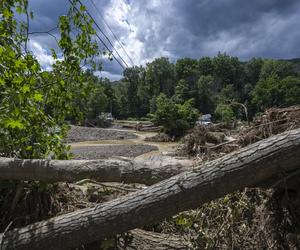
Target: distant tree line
pixel 223 86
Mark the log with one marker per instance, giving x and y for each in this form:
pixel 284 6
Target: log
pixel 145 171
pixel 248 167
pixel 145 240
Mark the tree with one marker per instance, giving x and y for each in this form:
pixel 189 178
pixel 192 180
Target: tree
pixel 253 70
pixel 122 108
pixel 34 104
pixel 290 89
pixel 132 81
pixel 159 77
pixel 228 70
pixel 273 91
pixel 166 113
pixel 187 69
pixel 181 92
pixel 275 67
pixel 206 96
pixel 205 66
pixel 175 118
pixel 225 113
pixel 97 103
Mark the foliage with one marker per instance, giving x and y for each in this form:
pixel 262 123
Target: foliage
pixel 274 92
pixel 206 95
pixel 175 118
pixel 33 103
pixel 225 113
pixel 209 81
pixel 280 68
pixel 231 222
pixel 159 77
pixel 181 91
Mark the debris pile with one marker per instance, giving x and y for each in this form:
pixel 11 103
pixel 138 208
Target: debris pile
pixel 207 142
pixel 210 142
pixel 272 121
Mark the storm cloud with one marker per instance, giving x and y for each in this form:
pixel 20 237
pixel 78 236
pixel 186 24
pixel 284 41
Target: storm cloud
pixel 173 28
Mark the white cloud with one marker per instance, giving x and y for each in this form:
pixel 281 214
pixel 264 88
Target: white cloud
pixel 173 28
pixel 43 56
pixel 139 25
pixel 106 74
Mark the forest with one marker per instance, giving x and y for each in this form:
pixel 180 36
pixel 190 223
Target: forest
pixel 167 92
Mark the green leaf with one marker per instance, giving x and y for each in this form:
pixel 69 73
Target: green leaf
pixel 10 123
pixel 38 97
pixel 19 9
pixel 82 8
pixel 181 220
pixel 25 89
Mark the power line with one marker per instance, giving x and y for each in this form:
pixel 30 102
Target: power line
pixel 101 40
pixel 112 32
pixel 102 32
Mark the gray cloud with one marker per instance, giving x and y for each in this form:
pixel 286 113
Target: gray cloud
pixel 194 28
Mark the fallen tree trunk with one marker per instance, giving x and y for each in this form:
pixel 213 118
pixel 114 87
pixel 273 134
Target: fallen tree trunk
pixel 249 167
pixel 145 240
pixel 126 170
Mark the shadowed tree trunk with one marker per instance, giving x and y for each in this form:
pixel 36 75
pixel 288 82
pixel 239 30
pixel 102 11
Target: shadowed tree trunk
pixel 249 167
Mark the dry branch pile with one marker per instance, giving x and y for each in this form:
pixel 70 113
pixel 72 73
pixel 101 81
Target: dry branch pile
pixel 273 121
pixel 252 219
pixel 207 142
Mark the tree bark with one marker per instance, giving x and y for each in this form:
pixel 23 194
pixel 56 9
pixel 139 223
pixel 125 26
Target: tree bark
pixel 126 170
pixel 248 167
pixel 145 240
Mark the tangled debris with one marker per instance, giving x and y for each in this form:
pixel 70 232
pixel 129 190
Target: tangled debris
pixel 207 143
pixel 250 219
pixel 210 142
pixel 273 121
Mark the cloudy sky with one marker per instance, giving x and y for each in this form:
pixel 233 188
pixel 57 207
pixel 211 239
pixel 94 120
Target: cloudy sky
pixel 175 28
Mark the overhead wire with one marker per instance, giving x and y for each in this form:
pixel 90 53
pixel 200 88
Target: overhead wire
pixel 100 39
pixel 102 32
pixel 114 35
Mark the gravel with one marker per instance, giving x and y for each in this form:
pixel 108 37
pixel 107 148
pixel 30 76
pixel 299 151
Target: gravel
pixel 100 151
pixel 79 134
pixel 85 134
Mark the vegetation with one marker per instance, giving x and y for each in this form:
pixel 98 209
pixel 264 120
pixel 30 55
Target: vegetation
pixel 176 118
pixel 223 86
pixel 34 104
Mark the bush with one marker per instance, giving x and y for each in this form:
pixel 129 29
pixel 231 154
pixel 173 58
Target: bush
pixel 225 113
pixel 175 118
